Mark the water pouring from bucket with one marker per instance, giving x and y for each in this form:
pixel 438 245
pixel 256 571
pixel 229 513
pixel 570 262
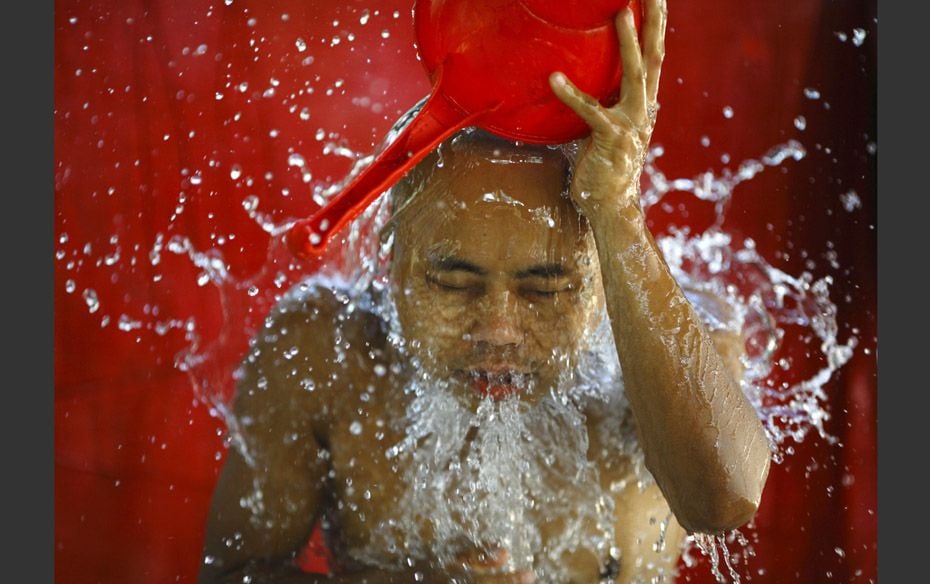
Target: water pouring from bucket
pixel 489 62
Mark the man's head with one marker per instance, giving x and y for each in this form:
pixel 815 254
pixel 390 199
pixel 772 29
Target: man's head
pixel 495 273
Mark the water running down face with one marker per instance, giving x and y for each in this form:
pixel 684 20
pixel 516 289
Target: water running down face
pixel 494 272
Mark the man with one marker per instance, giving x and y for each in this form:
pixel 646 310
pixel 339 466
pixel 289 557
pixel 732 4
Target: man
pixel 470 423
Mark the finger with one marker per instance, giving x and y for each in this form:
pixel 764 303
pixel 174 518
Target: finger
pixel 654 46
pixel 587 108
pixel 633 82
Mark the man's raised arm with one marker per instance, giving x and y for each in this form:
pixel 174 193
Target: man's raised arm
pixel 703 441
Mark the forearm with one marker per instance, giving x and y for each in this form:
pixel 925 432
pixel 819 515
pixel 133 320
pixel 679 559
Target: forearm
pixel 702 439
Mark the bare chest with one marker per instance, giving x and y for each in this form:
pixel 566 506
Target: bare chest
pixel 376 523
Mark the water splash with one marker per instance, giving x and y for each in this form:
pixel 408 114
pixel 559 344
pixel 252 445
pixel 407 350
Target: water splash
pixel 764 301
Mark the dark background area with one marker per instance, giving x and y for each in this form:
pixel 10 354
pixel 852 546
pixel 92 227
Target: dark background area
pixel 157 104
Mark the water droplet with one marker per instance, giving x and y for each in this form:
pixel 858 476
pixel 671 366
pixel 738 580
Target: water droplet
pixel 363 19
pixel 305 114
pixel 126 324
pixel 201 50
pixel 841 36
pixel 235 172
pixel 728 112
pixel 811 93
pixel 858 36
pixel 196 179
pixel 70 286
pixel 90 297
pixel 385 33
pixel 355 428
pixel 253 290
pixel 850 200
pixel 296 160
pixel 800 122
pixel 301 45
pixel 250 203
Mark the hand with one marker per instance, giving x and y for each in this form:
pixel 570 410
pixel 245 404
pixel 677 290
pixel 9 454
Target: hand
pixel 483 567
pixel 612 158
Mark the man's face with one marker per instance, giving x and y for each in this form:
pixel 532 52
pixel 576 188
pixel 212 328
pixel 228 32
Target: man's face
pixel 495 278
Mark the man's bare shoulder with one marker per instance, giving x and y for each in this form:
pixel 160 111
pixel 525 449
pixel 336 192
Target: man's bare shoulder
pixel 316 341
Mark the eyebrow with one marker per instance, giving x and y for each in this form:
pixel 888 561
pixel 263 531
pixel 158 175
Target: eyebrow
pixel 455 264
pixel 542 271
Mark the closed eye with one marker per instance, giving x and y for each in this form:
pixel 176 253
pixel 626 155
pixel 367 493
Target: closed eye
pixel 547 292
pixel 450 286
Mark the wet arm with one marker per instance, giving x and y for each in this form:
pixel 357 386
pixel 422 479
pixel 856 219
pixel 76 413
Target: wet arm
pixel 270 491
pixel 702 440
pixel 280 456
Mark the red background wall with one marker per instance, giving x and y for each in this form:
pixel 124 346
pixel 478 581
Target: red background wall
pixel 140 126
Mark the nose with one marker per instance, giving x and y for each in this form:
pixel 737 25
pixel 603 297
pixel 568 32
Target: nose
pixel 498 323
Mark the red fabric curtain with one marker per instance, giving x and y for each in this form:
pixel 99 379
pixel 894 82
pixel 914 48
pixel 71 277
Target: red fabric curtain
pixel 170 115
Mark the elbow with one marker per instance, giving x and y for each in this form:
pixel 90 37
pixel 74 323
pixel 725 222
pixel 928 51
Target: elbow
pixel 724 507
pixel 727 508
pixel 716 518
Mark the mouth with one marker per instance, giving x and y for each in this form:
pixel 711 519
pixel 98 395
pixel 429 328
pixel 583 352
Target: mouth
pixel 498 383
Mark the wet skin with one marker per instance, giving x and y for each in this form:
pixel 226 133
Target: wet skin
pixel 480 286
pixel 487 290
pixel 494 276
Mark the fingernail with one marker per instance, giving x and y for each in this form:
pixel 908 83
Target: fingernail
pixel 558 78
